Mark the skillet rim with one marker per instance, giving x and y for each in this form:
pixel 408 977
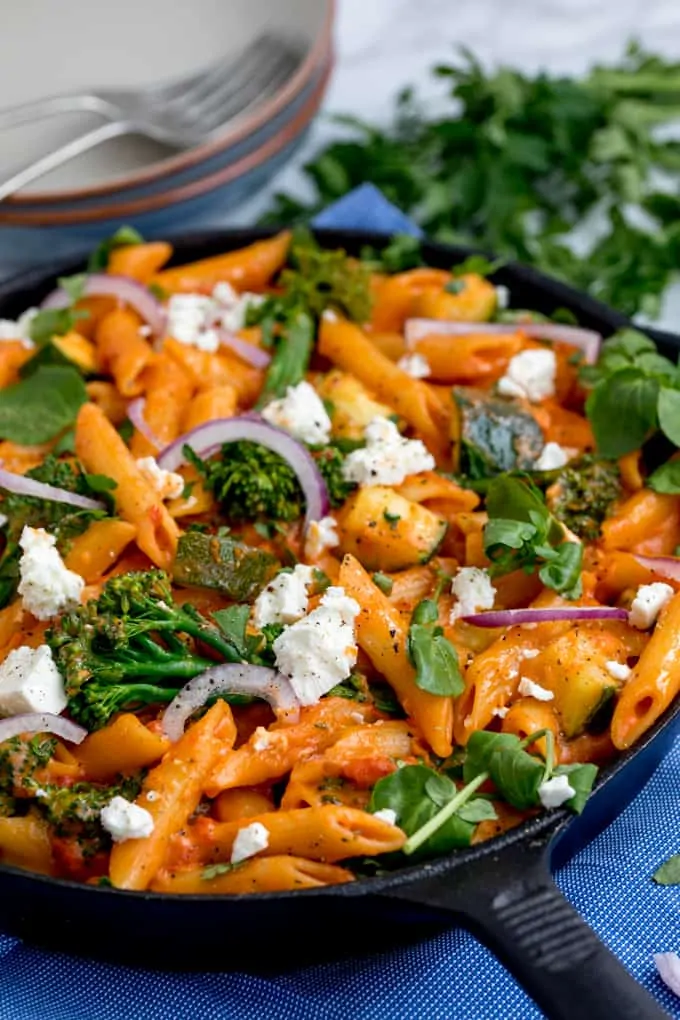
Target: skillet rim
pixel 543 828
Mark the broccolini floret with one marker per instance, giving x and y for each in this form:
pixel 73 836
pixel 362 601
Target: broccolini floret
pixel 252 482
pixel 583 495
pixel 128 645
pixel 62 519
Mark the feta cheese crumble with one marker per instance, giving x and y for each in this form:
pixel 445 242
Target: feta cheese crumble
pixel 321 535
pixel 386 814
pixel 232 307
pixel 46 585
pixel 415 365
pixel 285 599
pixel 19 330
pixel 249 841
pixel 31 682
pixel 319 651
pixel 167 484
pixel 502 297
pixel 649 600
pixel 531 375
pixel 552 456
pixel 190 321
pixel 125 820
pixel 387 458
pixel 262 739
pixel 300 412
pixel 500 713
pixel 530 653
pixel 528 689
pixel 555 792
pixel 474 591
pixel 617 670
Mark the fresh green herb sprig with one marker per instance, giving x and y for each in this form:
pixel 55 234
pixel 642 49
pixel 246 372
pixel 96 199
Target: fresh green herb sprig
pixel 433 656
pixel 522 534
pixel 124 236
pixel 41 406
pixel 518 161
pixel 314 280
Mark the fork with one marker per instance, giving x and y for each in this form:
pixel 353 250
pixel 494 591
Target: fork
pixel 181 114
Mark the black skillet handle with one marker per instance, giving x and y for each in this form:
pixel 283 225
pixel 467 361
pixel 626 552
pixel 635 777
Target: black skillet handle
pixel 511 904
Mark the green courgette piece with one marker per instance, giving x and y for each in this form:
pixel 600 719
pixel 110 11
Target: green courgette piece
pixel 237 570
pixel 492 434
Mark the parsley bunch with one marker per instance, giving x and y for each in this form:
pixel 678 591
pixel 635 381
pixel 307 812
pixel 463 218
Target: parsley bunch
pixel 518 161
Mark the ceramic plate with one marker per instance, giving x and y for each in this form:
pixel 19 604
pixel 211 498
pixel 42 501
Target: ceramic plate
pixel 78 45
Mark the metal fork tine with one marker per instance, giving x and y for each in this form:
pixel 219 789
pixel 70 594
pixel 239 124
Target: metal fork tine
pixel 223 104
pixel 229 75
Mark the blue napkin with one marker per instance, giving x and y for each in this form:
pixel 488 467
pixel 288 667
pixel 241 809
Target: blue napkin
pixel 451 977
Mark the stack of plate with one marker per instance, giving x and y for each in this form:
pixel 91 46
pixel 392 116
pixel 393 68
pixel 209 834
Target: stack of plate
pixel 48 49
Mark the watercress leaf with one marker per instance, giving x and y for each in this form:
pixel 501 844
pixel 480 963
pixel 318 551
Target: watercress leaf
pixel 581 779
pixel 669 872
pixel 404 791
pixel 436 662
pixel 563 571
pixel 99 259
pixel 517 775
pixel 479 809
pixel 54 322
pixel 481 746
pixel 440 789
pixel 425 612
pixel 668 409
pixel 478 264
pixel 100 483
pixel 48 354
pixel 73 285
pixel 233 622
pixel 666 478
pixel 500 534
pixel 516 498
pixel 37 409
pixel 622 412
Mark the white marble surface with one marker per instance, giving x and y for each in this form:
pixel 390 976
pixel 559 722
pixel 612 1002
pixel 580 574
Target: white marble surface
pixel 383 45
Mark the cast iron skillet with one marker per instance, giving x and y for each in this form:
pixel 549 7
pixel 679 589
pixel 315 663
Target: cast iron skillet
pixel 502 891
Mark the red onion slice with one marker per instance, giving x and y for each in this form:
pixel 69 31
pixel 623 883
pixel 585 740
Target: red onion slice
pixel 509 617
pixel 42 722
pixel 135 413
pixel 664 566
pixel 208 438
pixel 23 486
pixel 258 681
pixel 668 966
pixel 253 355
pixel 587 340
pixel 123 288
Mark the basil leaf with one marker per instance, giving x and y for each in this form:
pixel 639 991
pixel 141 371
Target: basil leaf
pixel 405 792
pixel 668 409
pixel 515 499
pixel 666 478
pixel 481 746
pixel 37 409
pixel 669 872
pixel 622 412
pixel 99 259
pixel 581 779
pixel 440 789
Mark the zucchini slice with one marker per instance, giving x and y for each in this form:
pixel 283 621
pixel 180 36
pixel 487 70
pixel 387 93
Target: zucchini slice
pixel 387 532
pixel 491 434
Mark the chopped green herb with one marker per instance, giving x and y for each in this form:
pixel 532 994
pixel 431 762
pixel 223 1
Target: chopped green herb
pixel 99 259
pixel 215 870
pixel 383 582
pixel 669 872
pixel 392 519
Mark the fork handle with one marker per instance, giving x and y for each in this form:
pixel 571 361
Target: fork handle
pixel 39 109
pixel 63 154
